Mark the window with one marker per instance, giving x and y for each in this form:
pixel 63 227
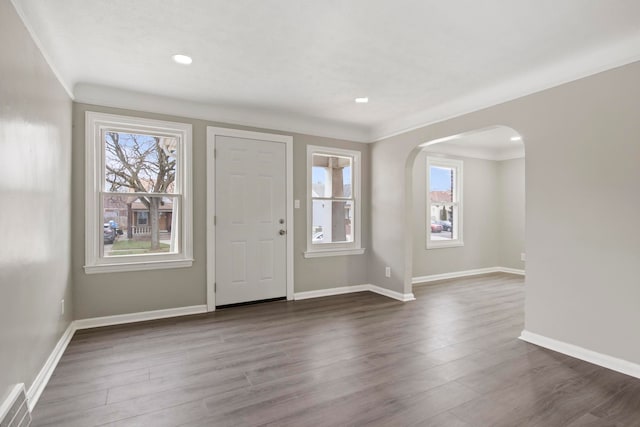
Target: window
pixel 333 203
pixel 444 203
pixel 138 194
pixel 143 217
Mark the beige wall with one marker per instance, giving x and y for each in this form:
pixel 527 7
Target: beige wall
pixel 511 215
pixel 481 210
pixel 118 293
pixel 329 272
pixel 581 140
pixel 35 142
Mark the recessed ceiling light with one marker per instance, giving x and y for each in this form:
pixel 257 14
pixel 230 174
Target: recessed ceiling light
pixel 362 100
pixel 182 59
pixel 516 138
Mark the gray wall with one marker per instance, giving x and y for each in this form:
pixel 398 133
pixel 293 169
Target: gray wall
pixel 118 293
pixel 35 142
pixel 581 139
pixel 511 215
pixel 480 210
pixel 330 272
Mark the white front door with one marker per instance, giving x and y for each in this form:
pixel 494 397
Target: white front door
pixel 250 220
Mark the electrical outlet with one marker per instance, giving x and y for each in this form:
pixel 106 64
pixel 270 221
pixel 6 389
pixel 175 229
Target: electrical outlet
pixel 523 256
pixel 387 271
pixel 62 307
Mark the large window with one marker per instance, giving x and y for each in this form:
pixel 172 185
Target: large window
pixel 333 204
pixel 444 203
pixel 138 194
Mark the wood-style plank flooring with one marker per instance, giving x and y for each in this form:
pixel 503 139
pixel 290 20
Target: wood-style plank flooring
pixel 451 358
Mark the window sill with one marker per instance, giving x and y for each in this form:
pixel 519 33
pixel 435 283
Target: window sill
pixel 137 266
pixel 441 245
pixel 333 252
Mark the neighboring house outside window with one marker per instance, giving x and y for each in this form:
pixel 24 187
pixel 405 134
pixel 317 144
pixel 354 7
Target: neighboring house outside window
pixel 333 202
pixel 138 194
pixel 444 203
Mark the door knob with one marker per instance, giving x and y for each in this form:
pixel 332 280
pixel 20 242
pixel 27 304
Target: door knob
pixel 283 232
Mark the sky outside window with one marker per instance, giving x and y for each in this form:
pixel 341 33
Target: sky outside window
pixel 440 179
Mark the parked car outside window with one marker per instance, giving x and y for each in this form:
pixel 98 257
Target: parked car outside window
pixel 109 234
pixel 446 225
pixel 436 228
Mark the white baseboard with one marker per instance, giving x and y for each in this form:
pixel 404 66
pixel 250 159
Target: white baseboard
pixel 38 385
pixel 331 291
pixel 5 406
pixel 465 273
pixel 510 271
pixel 119 319
pixel 392 294
pixel 351 289
pixel 581 353
pixel 34 392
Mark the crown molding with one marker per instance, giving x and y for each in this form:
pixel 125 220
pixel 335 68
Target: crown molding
pixel 38 43
pixel 476 153
pixel 235 115
pixel 567 70
pixel 570 69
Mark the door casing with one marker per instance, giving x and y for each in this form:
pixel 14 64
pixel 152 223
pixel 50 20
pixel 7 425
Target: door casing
pixel 212 133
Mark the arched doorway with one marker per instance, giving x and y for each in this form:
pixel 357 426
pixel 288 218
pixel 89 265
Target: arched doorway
pixel 465 201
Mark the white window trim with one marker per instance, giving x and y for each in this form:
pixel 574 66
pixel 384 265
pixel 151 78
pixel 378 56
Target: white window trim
pixel 458 165
pixel 95 123
pixel 335 249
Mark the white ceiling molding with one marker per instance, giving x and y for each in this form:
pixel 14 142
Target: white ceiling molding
pixel 483 154
pixel 241 116
pixel 492 143
pixel 513 153
pixel 571 69
pixel 298 69
pixel 38 44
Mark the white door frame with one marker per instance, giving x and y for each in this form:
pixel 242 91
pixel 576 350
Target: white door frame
pixel 212 132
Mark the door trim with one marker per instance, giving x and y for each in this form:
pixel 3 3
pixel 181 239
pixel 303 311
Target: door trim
pixel 212 132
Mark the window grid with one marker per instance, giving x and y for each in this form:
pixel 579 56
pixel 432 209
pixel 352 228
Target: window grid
pixel 444 220
pixel 333 211
pixel 150 229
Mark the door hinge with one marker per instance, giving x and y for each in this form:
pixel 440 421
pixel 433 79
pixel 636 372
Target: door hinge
pixel 215 153
pixel 215 287
pixel 214 220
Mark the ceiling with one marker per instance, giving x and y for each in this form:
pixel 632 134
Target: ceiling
pixel 494 143
pixel 297 65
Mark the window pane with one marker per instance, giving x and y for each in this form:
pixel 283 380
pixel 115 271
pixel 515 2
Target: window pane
pixel 444 222
pixel 346 181
pixel 320 182
pixel 441 184
pixel 331 176
pixel 138 225
pixel 332 221
pixel 139 163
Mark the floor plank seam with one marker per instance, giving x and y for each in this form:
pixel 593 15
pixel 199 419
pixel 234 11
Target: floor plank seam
pixel 451 357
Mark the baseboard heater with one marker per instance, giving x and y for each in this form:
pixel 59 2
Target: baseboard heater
pixel 14 412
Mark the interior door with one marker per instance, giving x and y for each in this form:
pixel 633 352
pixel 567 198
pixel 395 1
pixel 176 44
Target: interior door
pixel 250 200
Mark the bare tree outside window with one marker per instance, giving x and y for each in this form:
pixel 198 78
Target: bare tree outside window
pixel 136 163
pixel 138 205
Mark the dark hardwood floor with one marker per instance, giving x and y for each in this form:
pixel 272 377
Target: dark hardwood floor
pixel 451 358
